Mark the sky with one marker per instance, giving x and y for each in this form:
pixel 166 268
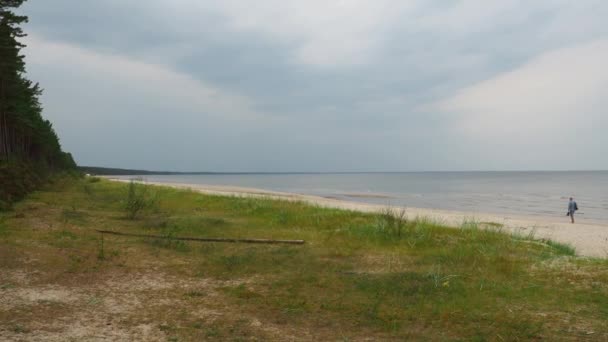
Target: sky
pixel 351 85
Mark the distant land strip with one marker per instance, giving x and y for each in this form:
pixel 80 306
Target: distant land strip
pixel 108 171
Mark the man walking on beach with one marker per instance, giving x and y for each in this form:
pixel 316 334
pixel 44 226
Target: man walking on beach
pixel 572 207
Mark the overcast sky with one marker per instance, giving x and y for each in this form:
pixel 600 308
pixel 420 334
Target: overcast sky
pixel 360 85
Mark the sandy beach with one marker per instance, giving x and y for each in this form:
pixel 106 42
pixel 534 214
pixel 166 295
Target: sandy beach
pixel 590 238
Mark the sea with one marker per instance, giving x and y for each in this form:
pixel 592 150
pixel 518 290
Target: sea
pixel 535 193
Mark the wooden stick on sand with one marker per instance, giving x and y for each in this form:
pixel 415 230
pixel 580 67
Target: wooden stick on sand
pixel 291 242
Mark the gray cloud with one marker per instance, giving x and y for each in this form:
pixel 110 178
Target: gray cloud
pixel 358 85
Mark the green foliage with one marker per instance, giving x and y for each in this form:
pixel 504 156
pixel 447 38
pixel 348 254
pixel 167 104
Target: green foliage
pixel 16 180
pixel 29 147
pixel 392 222
pixel 139 198
pixel 560 248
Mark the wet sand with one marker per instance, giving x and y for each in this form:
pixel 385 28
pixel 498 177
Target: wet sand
pixel 589 238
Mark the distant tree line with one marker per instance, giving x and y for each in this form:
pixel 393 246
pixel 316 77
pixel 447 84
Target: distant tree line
pixel 108 171
pixel 28 142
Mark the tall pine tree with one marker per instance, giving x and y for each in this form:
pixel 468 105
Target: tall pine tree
pixel 27 141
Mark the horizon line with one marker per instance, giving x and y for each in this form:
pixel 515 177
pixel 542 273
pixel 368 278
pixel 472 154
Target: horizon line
pixel 329 172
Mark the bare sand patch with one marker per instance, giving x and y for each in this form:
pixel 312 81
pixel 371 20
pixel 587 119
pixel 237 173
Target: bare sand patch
pixel 119 308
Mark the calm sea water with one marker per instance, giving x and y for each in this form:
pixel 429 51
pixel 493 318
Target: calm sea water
pixel 520 193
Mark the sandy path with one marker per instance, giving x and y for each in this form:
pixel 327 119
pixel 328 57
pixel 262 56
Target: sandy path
pixel 589 238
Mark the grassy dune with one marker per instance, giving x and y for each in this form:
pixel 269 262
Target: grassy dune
pixel 359 276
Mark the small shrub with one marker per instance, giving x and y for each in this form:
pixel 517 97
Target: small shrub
pixel 17 179
pixel 138 199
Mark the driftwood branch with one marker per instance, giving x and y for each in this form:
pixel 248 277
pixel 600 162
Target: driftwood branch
pixel 291 242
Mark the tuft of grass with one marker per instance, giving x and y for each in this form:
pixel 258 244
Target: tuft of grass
pixel 392 222
pixel 241 291
pixel 193 294
pixel 175 245
pixel 63 239
pixel 20 329
pixel 560 248
pixel 492 225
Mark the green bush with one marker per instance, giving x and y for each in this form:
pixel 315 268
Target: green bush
pixel 16 180
pixel 139 198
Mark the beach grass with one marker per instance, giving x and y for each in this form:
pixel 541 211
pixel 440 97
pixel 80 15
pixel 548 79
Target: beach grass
pixel 377 276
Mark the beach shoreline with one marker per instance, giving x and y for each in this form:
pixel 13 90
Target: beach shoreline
pixel 589 238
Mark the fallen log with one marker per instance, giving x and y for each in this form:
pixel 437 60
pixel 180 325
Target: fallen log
pixel 290 242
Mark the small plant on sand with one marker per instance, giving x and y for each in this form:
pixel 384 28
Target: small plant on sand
pixel 392 221
pixel 438 278
pixel 101 255
pixel 559 247
pixel 138 199
pixel 20 329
